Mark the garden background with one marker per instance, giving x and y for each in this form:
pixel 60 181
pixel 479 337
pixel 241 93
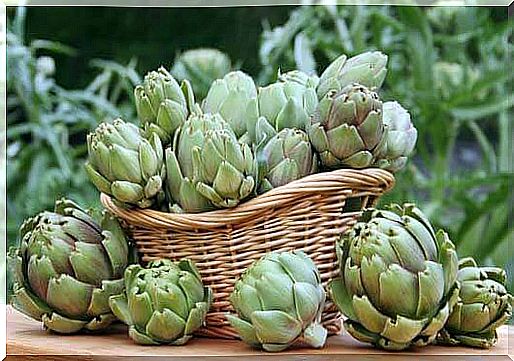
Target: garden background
pixel 70 68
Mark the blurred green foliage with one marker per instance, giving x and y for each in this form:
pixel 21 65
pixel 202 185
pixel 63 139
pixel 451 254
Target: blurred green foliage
pixel 451 67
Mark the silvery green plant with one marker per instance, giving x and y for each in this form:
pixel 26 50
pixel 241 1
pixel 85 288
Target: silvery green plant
pixel 398 282
pixel 347 128
pixel 368 69
pixel 287 103
pixel 162 304
pixel 207 167
pixel 484 305
pixel 125 165
pixel 286 157
pixel 279 300
pixel 66 267
pixel 162 104
pixel 234 97
pixel 400 137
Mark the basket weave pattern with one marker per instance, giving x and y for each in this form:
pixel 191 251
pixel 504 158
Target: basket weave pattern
pixel 308 214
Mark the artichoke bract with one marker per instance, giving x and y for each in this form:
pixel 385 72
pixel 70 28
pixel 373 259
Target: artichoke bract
pixel 123 164
pixel 368 69
pixel 162 104
pixel 207 166
pixel 400 137
pixel 347 128
pixel 310 81
pixel 201 67
pixel 398 278
pixel 287 156
pixel 484 305
pixel 235 98
pixel 279 300
pixel 285 104
pixel 66 267
pixel 162 304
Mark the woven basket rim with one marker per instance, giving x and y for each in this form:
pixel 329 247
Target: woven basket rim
pixel 354 179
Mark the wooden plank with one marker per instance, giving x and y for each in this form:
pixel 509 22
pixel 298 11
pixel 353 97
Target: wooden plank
pixel 26 339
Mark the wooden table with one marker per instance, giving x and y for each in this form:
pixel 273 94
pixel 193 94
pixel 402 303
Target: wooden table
pixel 27 340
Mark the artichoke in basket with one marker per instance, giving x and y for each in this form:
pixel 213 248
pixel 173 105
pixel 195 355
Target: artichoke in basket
pixel 400 137
pixel 368 69
pixel 286 157
pixel 207 166
pixel 66 267
pixel 279 300
pixel 235 98
pixel 162 304
pixel 201 67
pixel 285 104
pixel 125 165
pixel 398 278
pixel 162 104
pixel 347 128
pixel 484 305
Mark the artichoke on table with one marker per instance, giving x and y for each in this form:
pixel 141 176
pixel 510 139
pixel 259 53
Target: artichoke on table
pixel 162 304
pixel 398 278
pixel 125 165
pixel 279 300
pixel 66 267
pixel 484 305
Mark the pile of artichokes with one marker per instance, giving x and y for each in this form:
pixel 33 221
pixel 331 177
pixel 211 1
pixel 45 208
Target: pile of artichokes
pixel 400 284
pixel 197 150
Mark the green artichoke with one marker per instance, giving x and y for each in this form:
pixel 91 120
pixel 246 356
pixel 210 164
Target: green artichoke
pixel 310 81
pixel 125 165
pixel 347 128
pixel 484 305
pixel 66 267
pixel 400 137
pixel 279 300
pixel 398 278
pixel 368 69
pixel 235 98
pixel 285 104
pixel 207 167
pixel 201 67
pixel 162 304
pixel 286 157
pixel 162 105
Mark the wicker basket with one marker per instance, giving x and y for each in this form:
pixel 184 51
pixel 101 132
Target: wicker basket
pixel 308 214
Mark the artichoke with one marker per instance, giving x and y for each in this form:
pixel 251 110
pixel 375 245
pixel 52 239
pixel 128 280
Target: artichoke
pixel 125 165
pixel 347 128
pixel 368 69
pixel 162 105
pixel 162 304
pixel 310 81
pixel 235 98
pixel 398 278
pixel 279 300
pixel 285 104
pixel 207 167
pixel 201 67
pixel 484 305
pixel 286 157
pixel 66 267
pixel 400 137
